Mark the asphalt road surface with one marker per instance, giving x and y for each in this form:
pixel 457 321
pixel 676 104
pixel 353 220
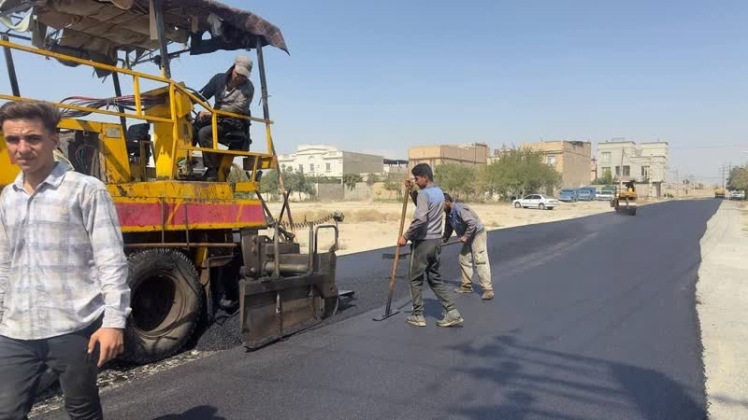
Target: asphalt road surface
pixel 593 318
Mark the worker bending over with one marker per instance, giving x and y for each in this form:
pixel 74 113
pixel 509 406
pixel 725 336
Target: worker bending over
pixel 425 233
pixel 467 226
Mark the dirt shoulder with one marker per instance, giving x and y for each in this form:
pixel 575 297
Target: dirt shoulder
pixel 722 307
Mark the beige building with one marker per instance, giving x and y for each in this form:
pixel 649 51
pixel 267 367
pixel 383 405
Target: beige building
pixel 570 158
pixel 468 154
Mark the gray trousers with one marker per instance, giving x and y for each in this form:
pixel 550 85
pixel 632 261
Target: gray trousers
pixel 22 363
pixel 424 259
pixel 204 130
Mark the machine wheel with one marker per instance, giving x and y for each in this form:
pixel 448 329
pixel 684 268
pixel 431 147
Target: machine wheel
pixel 541 206
pixel 166 302
pixel 517 205
pixel 632 212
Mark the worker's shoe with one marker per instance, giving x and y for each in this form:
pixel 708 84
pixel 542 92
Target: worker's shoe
pixel 451 318
pixel 487 295
pixel 417 320
pixel 463 289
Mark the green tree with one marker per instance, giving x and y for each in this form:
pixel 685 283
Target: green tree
pixel 456 178
pixel 371 179
pixel 270 184
pixel 606 179
pixel 298 183
pixel 520 172
pixel 350 180
pixel 738 179
pixel 394 182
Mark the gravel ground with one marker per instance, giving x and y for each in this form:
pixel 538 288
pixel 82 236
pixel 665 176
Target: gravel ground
pixel 722 294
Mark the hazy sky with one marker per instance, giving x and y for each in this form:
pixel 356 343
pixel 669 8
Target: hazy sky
pixel 381 76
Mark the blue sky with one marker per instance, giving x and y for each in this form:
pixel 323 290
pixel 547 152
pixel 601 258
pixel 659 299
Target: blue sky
pixel 383 76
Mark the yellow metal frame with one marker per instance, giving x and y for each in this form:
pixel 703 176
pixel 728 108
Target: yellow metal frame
pixel 172 131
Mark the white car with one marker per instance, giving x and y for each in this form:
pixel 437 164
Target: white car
pixel 539 201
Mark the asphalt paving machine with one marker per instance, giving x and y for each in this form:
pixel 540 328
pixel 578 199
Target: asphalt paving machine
pixel 624 199
pixel 193 246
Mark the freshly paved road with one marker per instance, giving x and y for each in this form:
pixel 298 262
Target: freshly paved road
pixel 593 318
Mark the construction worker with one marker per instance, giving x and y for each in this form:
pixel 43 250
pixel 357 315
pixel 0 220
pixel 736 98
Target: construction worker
pixel 233 92
pixel 425 233
pixel 466 224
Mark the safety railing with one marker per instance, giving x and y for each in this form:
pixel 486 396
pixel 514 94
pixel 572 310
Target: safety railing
pixel 139 114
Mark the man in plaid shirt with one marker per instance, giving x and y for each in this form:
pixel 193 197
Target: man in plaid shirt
pixel 64 298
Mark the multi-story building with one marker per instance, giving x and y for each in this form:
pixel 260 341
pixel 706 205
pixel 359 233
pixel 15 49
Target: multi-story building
pixel 329 161
pixel 570 158
pixel 646 163
pixel 465 154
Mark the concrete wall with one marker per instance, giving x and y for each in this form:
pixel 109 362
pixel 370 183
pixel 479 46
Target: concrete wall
pixel 330 192
pixel 361 192
pixel 361 163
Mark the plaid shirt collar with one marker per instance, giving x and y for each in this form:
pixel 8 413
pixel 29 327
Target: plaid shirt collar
pixel 54 179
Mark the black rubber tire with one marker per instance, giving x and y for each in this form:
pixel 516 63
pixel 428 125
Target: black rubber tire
pixel 541 206
pixel 517 205
pixel 166 303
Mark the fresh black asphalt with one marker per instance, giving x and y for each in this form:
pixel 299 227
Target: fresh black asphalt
pixel 594 318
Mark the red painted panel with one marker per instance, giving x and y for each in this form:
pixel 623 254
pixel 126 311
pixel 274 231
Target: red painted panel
pixel 139 214
pixel 150 214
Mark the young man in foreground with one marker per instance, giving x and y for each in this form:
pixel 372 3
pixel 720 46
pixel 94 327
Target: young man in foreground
pixel 64 298
pixel 425 233
pixel 467 226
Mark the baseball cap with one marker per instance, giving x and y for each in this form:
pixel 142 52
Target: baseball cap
pixel 243 65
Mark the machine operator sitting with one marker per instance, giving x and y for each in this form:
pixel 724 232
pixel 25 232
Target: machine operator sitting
pixel 233 92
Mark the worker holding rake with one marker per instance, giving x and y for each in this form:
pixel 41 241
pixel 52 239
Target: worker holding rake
pixel 425 233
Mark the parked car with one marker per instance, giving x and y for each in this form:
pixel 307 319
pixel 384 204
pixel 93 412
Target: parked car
pixel 737 195
pixel 586 194
pixel 567 194
pixel 606 194
pixel 539 201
